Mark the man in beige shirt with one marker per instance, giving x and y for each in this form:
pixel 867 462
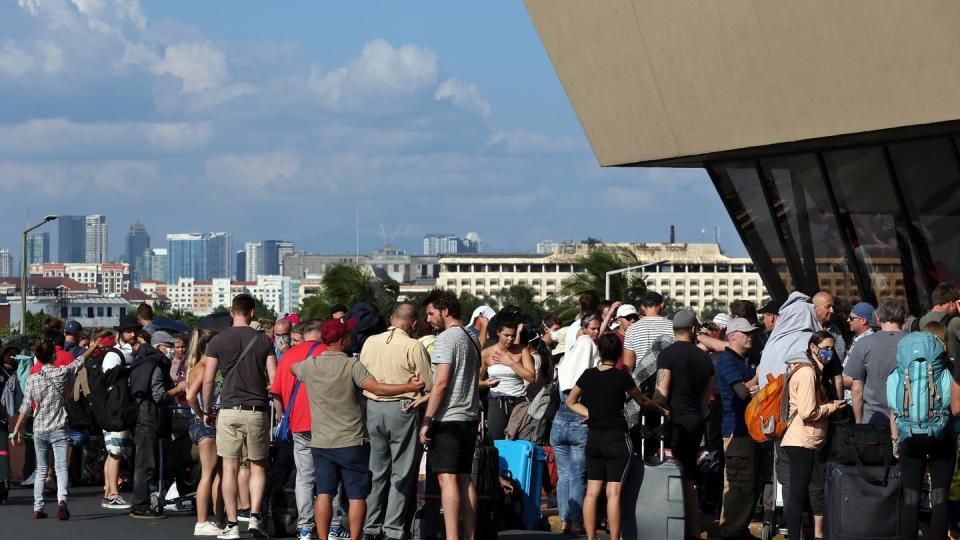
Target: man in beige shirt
pixel 392 424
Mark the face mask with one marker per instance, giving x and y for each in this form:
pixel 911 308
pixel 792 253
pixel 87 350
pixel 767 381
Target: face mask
pixel 170 353
pixel 283 340
pixel 825 355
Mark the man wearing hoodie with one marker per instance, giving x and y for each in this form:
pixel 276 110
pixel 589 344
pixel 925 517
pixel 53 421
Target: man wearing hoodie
pixel 796 322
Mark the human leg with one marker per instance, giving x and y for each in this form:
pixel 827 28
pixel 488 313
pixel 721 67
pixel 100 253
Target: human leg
pixel 405 452
pixel 594 487
pixel 380 466
pixel 228 483
pixel 303 460
pixel 613 509
pixel 59 441
pixel 801 469
pixel 941 463
pixel 739 483
pixel 42 447
pixel 468 505
pixel 208 465
pixel 145 439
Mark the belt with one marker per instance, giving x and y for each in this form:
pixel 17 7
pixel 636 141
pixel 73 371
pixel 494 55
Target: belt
pixel 254 408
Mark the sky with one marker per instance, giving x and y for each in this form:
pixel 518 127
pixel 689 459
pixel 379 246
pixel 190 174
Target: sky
pixel 287 120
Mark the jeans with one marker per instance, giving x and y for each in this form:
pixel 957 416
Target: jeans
pixel 568 438
pixel 916 455
pixel 802 463
pixel 42 443
pixel 303 459
pixel 146 439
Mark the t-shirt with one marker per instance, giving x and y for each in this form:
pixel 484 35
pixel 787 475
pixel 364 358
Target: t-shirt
pixel 690 372
pixel 603 395
pixel 732 369
pixel 953 330
pixel 641 334
pixel 63 358
pixel 872 361
pixel 244 380
pixel 336 403
pixel 284 381
pixel 111 359
pixel 461 403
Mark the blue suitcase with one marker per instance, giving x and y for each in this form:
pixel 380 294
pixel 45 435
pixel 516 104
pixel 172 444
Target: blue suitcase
pixel 525 462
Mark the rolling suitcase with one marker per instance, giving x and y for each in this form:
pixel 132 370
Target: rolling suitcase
pixel 652 499
pixel 872 494
pixel 525 461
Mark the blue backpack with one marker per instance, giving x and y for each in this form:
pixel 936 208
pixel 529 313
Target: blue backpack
pixel 918 390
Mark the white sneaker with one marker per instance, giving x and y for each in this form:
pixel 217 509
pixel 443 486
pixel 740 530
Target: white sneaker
pixel 207 528
pixel 230 532
pixel 254 527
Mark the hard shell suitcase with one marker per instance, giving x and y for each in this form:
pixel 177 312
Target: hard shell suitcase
pixel 877 503
pixel 652 499
pixel 526 462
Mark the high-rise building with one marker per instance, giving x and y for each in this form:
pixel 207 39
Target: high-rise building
pixel 6 263
pixel 153 265
pixel 442 244
pixel 138 241
pixel 241 265
pixel 95 239
pixel 546 247
pixel 201 256
pixel 71 239
pixel 273 253
pixel 38 248
pixel 254 260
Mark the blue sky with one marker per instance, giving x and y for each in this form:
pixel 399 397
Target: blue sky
pixel 282 120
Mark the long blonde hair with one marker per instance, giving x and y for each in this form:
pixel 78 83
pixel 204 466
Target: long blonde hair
pixel 198 346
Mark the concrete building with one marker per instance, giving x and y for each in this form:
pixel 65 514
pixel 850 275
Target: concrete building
pixel 38 248
pixel 279 293
pixel 64 298
pixel 6 263
pixel 106 278
pixel 833 148
pixel 95 239
pixel 71 239
pixel 547 246
pixel 138 242
pixel 299 265
pixel 443 244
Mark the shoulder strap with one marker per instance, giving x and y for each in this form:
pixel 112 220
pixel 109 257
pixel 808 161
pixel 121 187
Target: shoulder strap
pixel 472 342
pixel 241 356
pixel 296 385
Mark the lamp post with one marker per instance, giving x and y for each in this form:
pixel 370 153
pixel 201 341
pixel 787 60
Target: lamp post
pixel 627 269
pixel 23 274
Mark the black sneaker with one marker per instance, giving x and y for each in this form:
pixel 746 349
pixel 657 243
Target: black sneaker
pixel 62 513
pixel 145 512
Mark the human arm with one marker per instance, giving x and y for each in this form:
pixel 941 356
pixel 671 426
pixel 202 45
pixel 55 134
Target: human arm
pixel 485 380
pixel 646 403
pixel 857 372
pixel 17 436
pixel 711 344
pixel 857 394
pixel 157 390
pixel 194 386
pixel 707 392
pixel 271 369
pixel 573 402
pixel 803 388
pixel 372 385
pixel 661 393
pixel 895 434
pixel 629 360
pixel 611 313
pixel 441 380
pixel 523 368
pixel 954 398
pixel 210 366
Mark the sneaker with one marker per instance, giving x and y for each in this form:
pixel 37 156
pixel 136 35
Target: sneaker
pixel 339 532
pixel 39 514
pixel 207 528
pixel 254 527
pixel 62 513
pixel 230 532
pixel 243 515
pixel 304 534
pixel 116 503
pixel 146 512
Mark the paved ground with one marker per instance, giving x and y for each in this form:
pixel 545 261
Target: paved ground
pixel 89 521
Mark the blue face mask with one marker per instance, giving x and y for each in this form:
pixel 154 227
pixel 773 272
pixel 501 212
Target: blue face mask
pixel 825 355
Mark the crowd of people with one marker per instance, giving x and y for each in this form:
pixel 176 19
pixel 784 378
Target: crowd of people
pixel 363 402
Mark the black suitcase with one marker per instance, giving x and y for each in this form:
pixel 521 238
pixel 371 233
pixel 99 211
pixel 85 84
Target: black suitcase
pixel 874 498
pixel 652 499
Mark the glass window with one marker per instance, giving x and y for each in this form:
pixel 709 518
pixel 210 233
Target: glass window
pixel 451 282
pixel 479 268
pixel 536 268
pixel 506 268
pixel 551 283
pixel 522 268
pixel 493 268
pixel 90 312
pixel 508 282
pixel 565 267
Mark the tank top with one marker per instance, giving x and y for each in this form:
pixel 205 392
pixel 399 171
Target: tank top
pixel 511 385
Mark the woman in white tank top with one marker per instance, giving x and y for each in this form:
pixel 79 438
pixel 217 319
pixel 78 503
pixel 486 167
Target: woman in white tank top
pixel 507 367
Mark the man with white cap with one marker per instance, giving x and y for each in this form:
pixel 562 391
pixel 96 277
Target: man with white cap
pixel 479 321
pixel 625 316
pixel 736 382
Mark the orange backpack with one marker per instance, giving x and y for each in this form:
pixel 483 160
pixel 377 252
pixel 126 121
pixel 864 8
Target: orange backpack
pixel 767 415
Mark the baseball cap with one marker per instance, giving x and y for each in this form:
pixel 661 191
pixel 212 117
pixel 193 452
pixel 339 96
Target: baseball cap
pixel 740 325
pixel 684 319
pixel 482 311
pixel 772 307
pixel 72 328
pixel 161 338
pixel 723 319
pixel 334 329
pixel 292 318
pixel 626 310
pixel 865 310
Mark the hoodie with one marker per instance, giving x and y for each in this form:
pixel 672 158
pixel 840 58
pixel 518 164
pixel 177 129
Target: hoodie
pixel 796 323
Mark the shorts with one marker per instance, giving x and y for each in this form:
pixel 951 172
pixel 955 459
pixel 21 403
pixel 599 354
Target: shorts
pixel 686 435
pixel 608 455
pixel 118 443
pixel 236 429
pixel 77 438
pixel 350 465
pixel 452 446
pixel 199 431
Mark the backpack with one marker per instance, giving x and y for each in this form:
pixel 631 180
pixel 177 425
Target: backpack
pixel 767 415
pixel 110 401
pixel 918 390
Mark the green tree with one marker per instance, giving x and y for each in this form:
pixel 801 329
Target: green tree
pixel 523 297
pixel 712 308
pixel 628 287
pixel 261 311
pixel 672 306
pixel 348 285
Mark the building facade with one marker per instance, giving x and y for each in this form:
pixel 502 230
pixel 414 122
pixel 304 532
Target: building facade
pixel 443 244
pixel 38 248
pixel 95 239
pixel 153 265
pixel 106 278
pixel 138 242
pixel 6 263
pixel 203 256
pixel 71 239
pixel 279 293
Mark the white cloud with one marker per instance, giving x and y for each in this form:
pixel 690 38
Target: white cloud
pixel 199 65
pixel 52 57
pixel 57 137
pixel 89 180
pixel 463 95
pixel 14 61
pixel 252 171
pixel 521 141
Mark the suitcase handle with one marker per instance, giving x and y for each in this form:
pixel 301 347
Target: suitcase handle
pixel 644 435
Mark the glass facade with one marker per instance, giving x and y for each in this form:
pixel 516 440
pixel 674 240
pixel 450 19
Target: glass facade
pixel 861 222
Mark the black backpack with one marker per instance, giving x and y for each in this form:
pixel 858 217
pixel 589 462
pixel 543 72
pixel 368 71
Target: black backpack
pixel 110 401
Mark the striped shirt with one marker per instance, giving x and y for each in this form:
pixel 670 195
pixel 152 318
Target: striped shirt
pixel 641 334
pixel 47 389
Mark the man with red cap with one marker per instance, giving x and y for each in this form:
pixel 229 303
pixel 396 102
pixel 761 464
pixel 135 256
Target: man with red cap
pixel 338 432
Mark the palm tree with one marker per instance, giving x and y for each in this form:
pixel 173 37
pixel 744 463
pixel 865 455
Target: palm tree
pixel 348 285
pixel 626 287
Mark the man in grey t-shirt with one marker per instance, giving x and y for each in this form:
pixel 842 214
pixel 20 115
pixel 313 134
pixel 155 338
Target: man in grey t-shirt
pixel 872 361
pixel 450 423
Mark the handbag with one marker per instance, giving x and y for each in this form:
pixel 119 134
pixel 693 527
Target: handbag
pixel 861 445
pixel 283 427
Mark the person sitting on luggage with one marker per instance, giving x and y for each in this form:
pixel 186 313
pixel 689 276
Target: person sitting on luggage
pixel 809 420
pixel 46 389
pixel 685 380
pixel 598 396
pixel 931 452
pixel 507 366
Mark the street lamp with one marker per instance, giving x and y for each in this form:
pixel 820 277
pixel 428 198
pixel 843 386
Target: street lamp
pixel 628 269
pixel 23 274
